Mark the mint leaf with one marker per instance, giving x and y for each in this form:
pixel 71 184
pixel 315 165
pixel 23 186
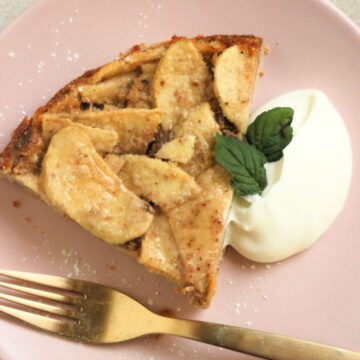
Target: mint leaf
pixel 245 164
pixel 271 132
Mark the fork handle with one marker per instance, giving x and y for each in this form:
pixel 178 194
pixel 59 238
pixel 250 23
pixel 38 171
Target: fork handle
pixel 253 342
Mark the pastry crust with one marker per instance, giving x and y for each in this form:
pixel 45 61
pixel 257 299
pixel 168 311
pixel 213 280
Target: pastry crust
pixel 120 99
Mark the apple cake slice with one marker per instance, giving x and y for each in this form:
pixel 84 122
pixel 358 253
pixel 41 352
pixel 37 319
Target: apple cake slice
pixel 127 152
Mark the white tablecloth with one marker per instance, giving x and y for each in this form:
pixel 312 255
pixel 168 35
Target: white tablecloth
pixel 9 9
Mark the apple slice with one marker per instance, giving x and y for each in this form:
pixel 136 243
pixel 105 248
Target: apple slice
pixel 159 251
pixel 136 128
pixel 76 180
pixel 179 150
pixel 182 80
pixel 198 227
pixel 103 140
pixel 110 91
pixel 160 182
pixel 200 123
pixel 234 81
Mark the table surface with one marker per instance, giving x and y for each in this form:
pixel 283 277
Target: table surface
pixel 9 9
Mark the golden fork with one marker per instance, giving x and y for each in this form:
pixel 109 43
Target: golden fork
pixel 95 313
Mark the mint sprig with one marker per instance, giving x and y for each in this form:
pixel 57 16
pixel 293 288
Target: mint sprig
pixel 271 132
pixel 245 164
pixel 267 137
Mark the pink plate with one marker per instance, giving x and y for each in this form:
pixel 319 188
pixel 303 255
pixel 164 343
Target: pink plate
pixel 314 295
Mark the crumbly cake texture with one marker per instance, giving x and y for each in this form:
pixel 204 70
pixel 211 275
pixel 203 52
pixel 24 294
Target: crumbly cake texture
pixel 127 152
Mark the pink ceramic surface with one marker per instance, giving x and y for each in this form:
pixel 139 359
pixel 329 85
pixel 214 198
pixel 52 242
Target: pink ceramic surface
pixel 314 295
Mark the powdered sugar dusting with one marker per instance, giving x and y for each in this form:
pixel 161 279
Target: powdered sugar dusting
pixel 150 302
pixel 143 22
pixel 249 293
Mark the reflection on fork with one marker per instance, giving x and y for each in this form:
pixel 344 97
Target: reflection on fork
pixel 94 313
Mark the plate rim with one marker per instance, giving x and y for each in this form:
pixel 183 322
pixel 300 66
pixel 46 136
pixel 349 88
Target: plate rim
pixel 325 4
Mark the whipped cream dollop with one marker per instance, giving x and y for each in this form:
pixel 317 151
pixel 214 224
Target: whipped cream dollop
pixel 306 189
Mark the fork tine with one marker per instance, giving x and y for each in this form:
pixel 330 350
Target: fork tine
pixel 38 305
pixel 41 293
pixel 48 280
pixel 45 323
